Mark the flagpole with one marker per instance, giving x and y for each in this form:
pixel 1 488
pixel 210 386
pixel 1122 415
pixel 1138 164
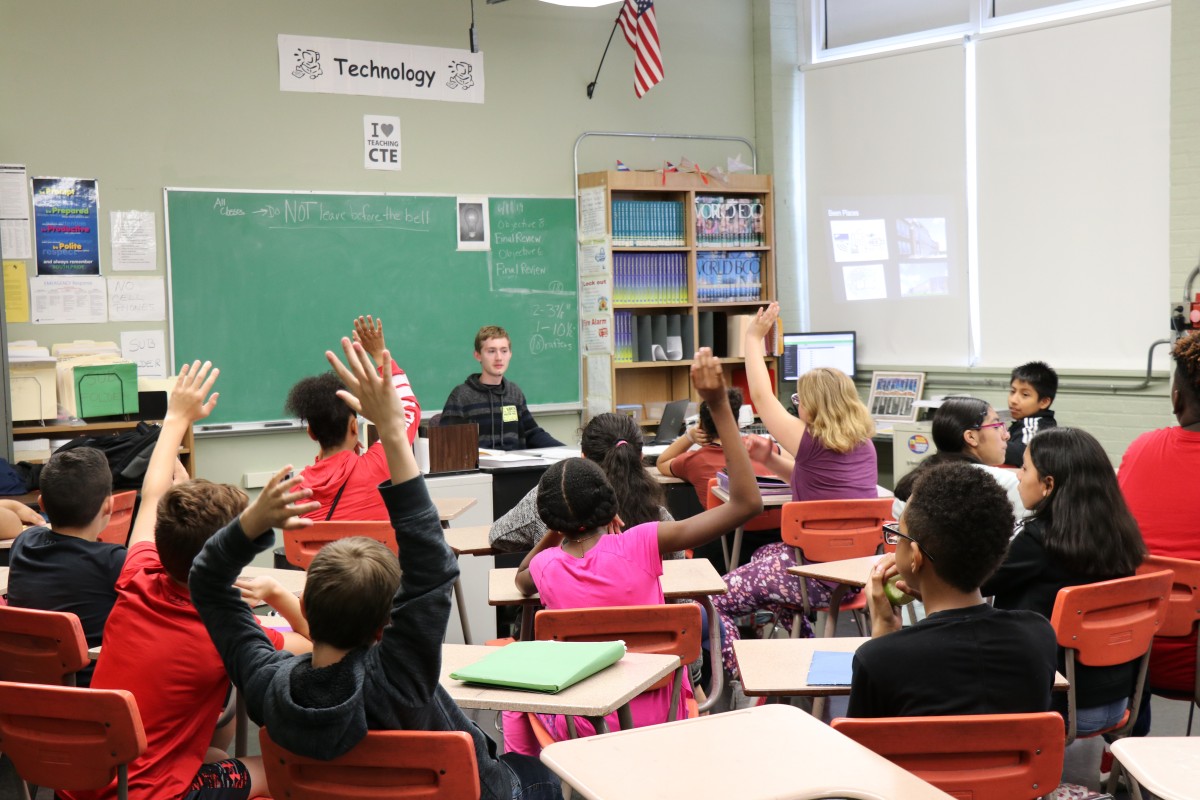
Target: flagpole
pixel 592 86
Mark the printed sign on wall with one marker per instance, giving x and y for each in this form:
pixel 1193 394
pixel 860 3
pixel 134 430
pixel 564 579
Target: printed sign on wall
pixel 64 216
pixel 379 69
pixel 381 142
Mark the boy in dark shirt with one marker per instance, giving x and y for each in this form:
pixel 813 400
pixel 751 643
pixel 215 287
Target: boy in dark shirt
pixel 1031 390
pixel 965 657
pixel 63 567
pixel 377 632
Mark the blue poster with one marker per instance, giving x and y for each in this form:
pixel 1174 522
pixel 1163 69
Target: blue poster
pixel 65 220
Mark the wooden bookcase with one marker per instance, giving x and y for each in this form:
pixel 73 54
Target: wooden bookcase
pixel 642 382
pixel 53 431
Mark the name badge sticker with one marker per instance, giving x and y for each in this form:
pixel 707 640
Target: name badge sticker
pixel 510 413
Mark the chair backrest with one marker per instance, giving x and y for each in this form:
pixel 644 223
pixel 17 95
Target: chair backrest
pixel 67 738
pixel 832 530
pixel 403 765
pixel 1111 622
pixel 1183 604
pixel 974 757
pixel 768 520
pixel 117 530
pixel 301 545
pixel 663 630
pixel 46 647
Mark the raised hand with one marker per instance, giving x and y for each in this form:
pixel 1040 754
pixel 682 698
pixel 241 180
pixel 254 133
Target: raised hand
pixel 187 400
pixel 279 505
pixel 764 318
pixel 369 333
pixel 759 448
pixel 367 392
pixel 708 379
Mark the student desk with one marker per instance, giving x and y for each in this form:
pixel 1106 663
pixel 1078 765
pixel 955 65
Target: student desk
pixel 850 573
pixel 472 541
pixel 451 508
pixel 682 579
pixel 1168 766
pixel 796 757
pixel 595 697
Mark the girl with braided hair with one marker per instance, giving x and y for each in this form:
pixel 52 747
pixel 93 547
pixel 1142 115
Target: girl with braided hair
pixel 585 560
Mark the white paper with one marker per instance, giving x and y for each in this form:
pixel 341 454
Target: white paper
pixel 14 195
pixel 15 239
pixel 592 213
pixel 133 244
pixel 147 349
pixel 596 332
pixel 57 299
pixel 599 376
pixel 595 294
pixel 595 257
pixel 381 142
pixel 136 300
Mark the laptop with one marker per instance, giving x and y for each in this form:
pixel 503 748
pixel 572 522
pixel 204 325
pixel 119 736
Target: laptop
pixel 671 426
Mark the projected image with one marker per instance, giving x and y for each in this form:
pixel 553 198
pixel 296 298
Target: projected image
pixel 865 282
pixel 924 279
pixel 921 237
pixel 859 240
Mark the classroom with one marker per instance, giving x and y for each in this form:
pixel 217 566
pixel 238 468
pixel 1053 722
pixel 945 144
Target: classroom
pixel 1055 144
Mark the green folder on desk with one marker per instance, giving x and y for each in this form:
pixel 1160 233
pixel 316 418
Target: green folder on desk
pixel 541 666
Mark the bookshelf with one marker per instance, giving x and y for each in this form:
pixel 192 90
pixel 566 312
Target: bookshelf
pixel 55 431
pixel 685 255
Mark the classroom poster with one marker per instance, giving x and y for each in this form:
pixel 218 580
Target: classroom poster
pixel 133 244
pixel 147 349
pixel 14 212
pixel 593 214
pixel 61 299
pixel 381 142
pixel 65 218
pixel 136 300
pixel 16 291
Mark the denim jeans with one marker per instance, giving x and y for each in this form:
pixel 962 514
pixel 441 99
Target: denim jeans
pixel 1097 718
pixel 534 780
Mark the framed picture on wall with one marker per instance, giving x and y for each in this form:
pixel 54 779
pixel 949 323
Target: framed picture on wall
pixel 894 395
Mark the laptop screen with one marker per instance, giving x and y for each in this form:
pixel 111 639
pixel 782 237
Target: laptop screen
pixel 805 351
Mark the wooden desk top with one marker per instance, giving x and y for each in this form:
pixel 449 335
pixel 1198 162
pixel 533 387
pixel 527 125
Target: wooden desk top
pixel 452 507
pixel 470 541
pixel 1166 765
pixel 665 480
pixel 851 571
pixel 796 757
pixel 682 578
pixel 292 580
pixel 779 667
pixel 776 500
pixel 601 694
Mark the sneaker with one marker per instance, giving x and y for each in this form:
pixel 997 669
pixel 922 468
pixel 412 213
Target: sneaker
pixel 1106 762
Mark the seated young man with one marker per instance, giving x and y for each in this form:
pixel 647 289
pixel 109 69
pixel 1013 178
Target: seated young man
pixel 344 478
pixel 155 645
pixel 377 631
pixel 965 657
pixel 63 567
pixel 1031 390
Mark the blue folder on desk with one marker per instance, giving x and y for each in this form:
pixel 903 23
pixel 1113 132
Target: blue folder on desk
pixel 545 666
pixel 830 669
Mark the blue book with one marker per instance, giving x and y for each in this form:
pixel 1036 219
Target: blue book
pixel 830 669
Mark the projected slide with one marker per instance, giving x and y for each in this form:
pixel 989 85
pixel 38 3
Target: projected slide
pixel 859 240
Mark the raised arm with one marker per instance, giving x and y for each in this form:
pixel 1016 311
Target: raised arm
pixel 764 451
pixel 786 429
pixel 745 501
pixel 190 402
pixel 369 333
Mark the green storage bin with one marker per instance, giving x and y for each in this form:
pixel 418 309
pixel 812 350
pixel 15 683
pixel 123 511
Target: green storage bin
pixel 102 390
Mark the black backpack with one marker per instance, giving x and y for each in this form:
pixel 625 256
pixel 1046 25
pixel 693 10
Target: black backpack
pixel 128 453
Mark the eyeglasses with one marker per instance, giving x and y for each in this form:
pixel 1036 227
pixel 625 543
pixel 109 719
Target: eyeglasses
pixel 892 535
pixel 981 427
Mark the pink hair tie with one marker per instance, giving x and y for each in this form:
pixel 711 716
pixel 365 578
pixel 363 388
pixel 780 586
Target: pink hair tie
pixel 621 442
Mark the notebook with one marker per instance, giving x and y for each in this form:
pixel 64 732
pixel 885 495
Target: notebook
pixel 830 668
pixel 541 666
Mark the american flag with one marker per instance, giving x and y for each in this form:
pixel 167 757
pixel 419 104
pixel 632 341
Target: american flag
pixel 641 31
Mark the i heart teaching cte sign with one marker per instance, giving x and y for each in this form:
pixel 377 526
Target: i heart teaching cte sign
pixel 379 69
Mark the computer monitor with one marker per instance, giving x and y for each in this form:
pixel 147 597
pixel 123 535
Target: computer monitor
pixel 805 351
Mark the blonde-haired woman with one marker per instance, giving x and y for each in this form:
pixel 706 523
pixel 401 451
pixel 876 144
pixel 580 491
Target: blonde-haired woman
pixel 827 455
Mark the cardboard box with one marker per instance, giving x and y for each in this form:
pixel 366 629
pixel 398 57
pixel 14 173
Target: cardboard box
pixel 33 386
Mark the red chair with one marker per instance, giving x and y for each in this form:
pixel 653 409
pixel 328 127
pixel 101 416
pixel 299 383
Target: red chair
pixel 768 520
pixel 301 545
pixel 44 647
pixel 663 630
pixel 835 530
pixel 386 765
pixel 974 757
pixel 1183 617
pixel 117 530
pixel 70 739
pixel 1108 623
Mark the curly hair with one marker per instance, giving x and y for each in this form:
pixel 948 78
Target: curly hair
pixel 348 592
pixel 188 514
pixel 314 400
pixel 1187 364
pixel 574 497
pixel 735 405
pixel 614 441
pixel 960 517
pixel 75 483
pixel 1088 527
pixel 954 417
pixel 838 417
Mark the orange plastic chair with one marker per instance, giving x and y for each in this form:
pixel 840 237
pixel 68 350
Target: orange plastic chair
pixel 117 530
pixel 1183 617
pixel 45 647
pixel 301 545
pixel 972 757
pixel 72 739
pixel 768 520
pixel 834 530
pixel 386 765
pixel 663 630
pixel 1108 623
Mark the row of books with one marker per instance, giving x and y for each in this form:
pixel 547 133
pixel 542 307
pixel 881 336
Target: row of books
pixel 729 221
pixel 650 278
pixel 728 277
pixel 647 223
pixel 671 337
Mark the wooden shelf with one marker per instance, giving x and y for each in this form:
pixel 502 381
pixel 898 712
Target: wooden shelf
pixel 650 306
pixel 62 431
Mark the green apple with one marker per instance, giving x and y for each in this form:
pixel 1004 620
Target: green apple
pixel 894 595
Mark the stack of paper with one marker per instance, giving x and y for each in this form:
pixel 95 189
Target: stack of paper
pixel 541 666
pixel 31 449
pixel 766 486
pixel 499 458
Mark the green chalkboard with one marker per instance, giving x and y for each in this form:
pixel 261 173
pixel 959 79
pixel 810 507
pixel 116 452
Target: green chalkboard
pixel 262 283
